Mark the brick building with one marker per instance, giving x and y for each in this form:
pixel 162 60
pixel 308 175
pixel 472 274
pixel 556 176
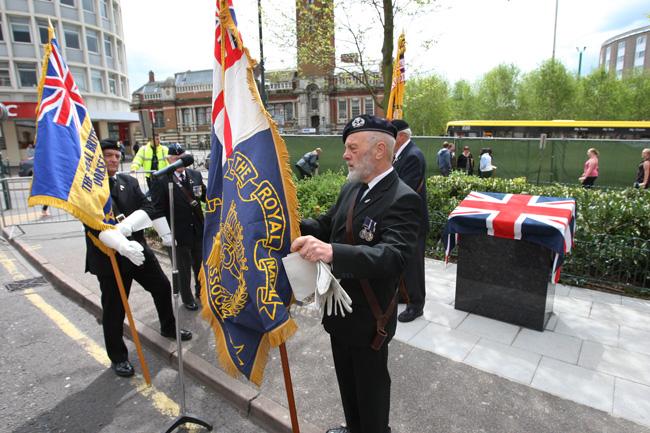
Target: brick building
pixel 311 99
pixel 626 52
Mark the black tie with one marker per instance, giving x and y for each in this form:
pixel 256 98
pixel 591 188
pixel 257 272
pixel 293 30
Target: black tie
pixel 111 183
pixel 364 188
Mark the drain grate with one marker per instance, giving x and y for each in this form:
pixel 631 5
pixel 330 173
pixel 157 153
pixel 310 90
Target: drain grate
pixel 26 284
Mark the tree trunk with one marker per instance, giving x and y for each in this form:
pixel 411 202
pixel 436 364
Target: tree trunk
pixel 387 51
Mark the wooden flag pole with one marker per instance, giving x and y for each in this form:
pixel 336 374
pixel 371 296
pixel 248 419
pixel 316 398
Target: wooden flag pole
pixel 125 303
pixel 295 428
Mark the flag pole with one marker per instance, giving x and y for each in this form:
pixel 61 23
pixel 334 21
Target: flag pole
pixel 295 428
pixel 125 303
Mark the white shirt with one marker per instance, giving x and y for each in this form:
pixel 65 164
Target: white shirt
pixel 376 180
pixel 401 149
pixel 486 162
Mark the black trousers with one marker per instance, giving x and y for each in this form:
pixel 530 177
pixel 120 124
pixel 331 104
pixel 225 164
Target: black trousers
pixel 364 383
pixel 589 181
pixel 414 274
pixel 188 258
pixel 154 281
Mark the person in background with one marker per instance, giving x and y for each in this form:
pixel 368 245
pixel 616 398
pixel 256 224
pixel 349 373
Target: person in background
pixel 411 167
pixel 189 192
pixel 452 155
pixel 486 169
pixel 444 159
pixel 150 157
pixel 465 161
pixel 308 165
pixel 30 150
pixel 590 172
pixel 643 173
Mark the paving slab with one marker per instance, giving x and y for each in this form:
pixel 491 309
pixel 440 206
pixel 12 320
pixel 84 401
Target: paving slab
pixel 634 340
pixel 558 346
pixel 588 329
pixel 617 362
pixel 503 360
pixel 632 401
pixel 622 314
pixel 489 328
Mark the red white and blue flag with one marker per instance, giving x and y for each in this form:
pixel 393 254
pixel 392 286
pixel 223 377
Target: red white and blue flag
pixel 546 221
pixel 251 217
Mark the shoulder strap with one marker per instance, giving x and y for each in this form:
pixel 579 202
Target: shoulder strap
pixel 194 204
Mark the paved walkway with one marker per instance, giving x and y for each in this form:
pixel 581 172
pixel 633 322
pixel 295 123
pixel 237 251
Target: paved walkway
pixel 595 350
pixel 446 365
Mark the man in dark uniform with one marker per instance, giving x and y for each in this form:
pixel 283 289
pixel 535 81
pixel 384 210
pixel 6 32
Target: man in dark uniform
pixel 135 260
pixel 368 237
pixel 410 165
pixel 189 192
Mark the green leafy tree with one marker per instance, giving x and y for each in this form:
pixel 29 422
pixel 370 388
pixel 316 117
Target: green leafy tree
pixel 497 93
pixel 427 105
pixel 638 96
pixel 601 96
pixel 463 101
pixel 548 92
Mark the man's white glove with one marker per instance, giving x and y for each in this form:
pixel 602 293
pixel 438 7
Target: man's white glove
pixel 132 250
pixel 330 296
pixel 135 222
pixel 161 227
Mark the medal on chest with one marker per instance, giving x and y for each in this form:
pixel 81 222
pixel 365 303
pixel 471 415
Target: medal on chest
pixel 367 233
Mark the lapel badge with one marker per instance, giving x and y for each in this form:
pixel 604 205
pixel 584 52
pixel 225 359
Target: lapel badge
pixel 121 187
pixel 367 233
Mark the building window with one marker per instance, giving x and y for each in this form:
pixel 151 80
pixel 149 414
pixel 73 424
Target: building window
pixel 112 85
pixel 355 107
pixel 89 5
pixel 103 7
pixel 92 41
pixel 72 39
pixel 26 74
pixel 79 75
pixel 187 116
pixel 2 38
pixel 68 2
pixel 98 81
pixel 108 47
pixel 5 81
pixel 639 54
pixel 620 59
pixel 43 32
pixel 608 57
pixel 202 115
pixel 21 32
pixel 369 106
pixel 288 111
pixel 158 119
pixel 343 110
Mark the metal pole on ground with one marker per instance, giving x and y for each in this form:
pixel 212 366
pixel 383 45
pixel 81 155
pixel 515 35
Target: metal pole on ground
pixel 295 428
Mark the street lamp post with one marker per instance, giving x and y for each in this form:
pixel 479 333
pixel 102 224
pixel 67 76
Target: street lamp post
pixel 555 28
pixel 580 51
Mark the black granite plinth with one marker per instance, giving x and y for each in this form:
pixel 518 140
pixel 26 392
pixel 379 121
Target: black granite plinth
pixel 505 279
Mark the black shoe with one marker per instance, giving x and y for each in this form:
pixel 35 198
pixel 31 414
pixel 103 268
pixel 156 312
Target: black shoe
pixel 191 306
pixel 185 335
pixel 409 315
pixel 338 430
pixel 123 369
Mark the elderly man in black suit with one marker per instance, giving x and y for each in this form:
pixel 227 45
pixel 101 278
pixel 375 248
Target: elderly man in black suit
pixel 410 165
pixel 189 192
pixel 368 237
pixel 135 261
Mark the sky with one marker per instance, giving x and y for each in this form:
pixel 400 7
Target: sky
pixel 456 39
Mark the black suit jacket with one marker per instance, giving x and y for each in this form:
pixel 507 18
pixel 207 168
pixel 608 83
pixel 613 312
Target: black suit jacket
pixel 189 228
pixel 395 209
pixel 411 166
pixel 127 197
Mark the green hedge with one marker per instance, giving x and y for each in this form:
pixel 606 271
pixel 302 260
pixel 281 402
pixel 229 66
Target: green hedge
pixel 612 227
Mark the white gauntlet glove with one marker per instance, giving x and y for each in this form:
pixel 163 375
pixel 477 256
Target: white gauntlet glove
pixel 132 250
pixel 161 227
pixel 135 222
pixel 329 295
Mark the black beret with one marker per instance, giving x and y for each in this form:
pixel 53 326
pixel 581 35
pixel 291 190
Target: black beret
pixel 400 124
pixel 365 122
pixel 175 149
pixel 109 144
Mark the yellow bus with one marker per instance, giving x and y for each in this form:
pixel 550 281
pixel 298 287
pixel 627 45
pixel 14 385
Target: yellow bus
pixel 596 129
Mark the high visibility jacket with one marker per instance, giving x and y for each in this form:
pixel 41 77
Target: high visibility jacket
pixel 143 158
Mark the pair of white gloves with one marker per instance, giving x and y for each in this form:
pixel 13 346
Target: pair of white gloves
pixel 117 238
pixel 330 296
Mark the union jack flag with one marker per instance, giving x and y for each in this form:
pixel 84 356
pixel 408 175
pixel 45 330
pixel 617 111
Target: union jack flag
pixel 547 221
pixel 60 92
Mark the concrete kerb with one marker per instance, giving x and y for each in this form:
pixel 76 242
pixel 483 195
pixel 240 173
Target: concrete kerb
pixel 262 410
